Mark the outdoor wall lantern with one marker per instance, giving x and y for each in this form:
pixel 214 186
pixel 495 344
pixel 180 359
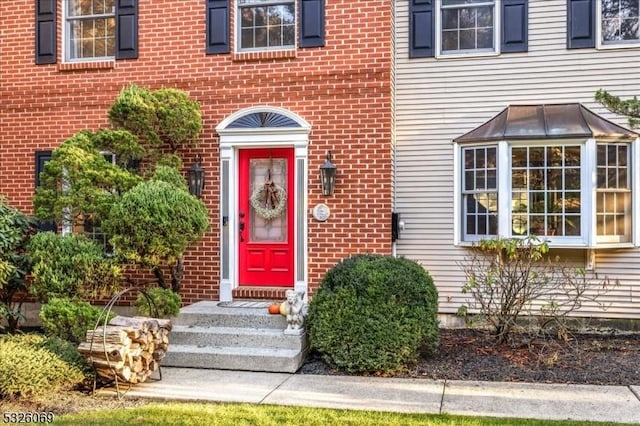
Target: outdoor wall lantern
pixel 196 178
pixel 328 176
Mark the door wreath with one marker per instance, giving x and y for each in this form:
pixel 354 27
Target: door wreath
pixel 269 200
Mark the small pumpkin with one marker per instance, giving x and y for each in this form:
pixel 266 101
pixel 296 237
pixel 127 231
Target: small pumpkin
pixel 283 308
pixel 274 308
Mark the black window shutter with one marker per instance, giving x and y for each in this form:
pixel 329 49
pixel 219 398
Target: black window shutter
pixel 46 30
pixel 312 23
pixel 514 26
pixel 126 29
pixel 218 26
pixel 41 159
pixel 421 28
pixel 581 24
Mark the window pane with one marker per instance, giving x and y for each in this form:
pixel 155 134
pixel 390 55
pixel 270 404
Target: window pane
pixel 467 39
pixel 572 202
pixel 260 37
pixel 449 19
pixel 468 181
pixel 275 36
pixel 467 18
pixel 485 38
pixel 468 158
pixel 480 153
pixel 572 156
pixel 536 157
pixel 260 16
pixel 519 157
pixel 572 179
pixel 247 39
pixel 450 40
pixel 491 179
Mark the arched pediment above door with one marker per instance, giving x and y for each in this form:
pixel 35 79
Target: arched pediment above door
pixel 262 118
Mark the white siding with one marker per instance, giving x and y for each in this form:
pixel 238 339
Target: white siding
pixel 437 100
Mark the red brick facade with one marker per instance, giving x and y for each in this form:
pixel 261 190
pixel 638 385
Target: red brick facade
pixel 343 90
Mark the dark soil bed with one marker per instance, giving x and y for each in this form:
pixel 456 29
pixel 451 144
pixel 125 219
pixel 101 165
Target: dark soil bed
pixel 465 354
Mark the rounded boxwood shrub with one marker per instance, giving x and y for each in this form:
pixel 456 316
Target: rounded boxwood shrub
pixel 33 365
pixel 374 314
pixel 70 319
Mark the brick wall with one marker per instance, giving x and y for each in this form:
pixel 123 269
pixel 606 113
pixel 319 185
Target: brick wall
pixel 343 90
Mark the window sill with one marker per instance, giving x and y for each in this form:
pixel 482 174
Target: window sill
pixel 634 45
pixel 564 245
pixel 443 56
pixel 81 66
pixel 264 55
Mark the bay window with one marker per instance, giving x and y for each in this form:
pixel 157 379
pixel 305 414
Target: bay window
pixel 559 172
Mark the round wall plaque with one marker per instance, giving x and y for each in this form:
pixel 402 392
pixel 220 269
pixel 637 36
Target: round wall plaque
pixel 321 212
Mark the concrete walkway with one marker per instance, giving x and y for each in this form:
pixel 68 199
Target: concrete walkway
pixel 525 400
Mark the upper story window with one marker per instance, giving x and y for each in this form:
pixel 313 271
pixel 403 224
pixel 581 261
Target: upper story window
pixel 266 24
pixel 620 22
pixel 467 26
pixel 90 31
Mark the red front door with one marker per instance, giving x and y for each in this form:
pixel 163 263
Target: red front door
pixel 265 217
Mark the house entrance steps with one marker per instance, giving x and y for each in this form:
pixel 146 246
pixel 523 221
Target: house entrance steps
pixel 239 335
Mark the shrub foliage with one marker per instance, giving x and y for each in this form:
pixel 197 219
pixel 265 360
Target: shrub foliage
pixel 32 365
pixel 164 302
pixel 71 266
pixel 15 230
pixel 69 319
pixel 374 313
pixel 512 278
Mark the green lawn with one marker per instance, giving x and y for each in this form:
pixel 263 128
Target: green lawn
pixel 199 414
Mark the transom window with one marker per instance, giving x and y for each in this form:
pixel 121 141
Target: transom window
pixel 266 24
pixel 467 26
pixel 620 21
pixel 90 29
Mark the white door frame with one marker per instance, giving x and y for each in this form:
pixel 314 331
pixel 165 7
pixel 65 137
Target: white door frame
pixel 233 138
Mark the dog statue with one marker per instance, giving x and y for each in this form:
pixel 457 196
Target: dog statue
pixel 294 310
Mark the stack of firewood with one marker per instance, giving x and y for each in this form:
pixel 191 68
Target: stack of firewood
pixel 129 349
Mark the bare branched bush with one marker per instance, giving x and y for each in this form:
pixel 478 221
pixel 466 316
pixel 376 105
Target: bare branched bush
pixel 509 279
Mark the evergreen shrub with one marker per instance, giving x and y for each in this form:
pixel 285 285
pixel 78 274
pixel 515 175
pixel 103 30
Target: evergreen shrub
pixel 374 314
pixel 165 300
pixel 32 365
pixel 69 319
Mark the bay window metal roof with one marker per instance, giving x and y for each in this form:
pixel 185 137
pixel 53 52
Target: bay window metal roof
pixel 547 121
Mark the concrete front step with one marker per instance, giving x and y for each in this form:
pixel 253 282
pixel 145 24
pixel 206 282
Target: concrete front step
pixel 235 337
pixel 234 358
pixel 209 314
pixel 206 335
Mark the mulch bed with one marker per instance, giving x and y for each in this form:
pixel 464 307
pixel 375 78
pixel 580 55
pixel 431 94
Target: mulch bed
pixel 468 354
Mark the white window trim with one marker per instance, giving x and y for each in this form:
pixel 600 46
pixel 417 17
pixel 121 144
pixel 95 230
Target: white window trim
pixel 66 42
pixel 238 29
pixel 497 28
pixel 604 46
pixel 588 150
